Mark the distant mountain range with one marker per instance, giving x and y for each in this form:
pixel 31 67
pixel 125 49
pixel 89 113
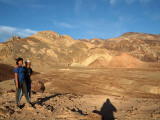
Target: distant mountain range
pixel 49 48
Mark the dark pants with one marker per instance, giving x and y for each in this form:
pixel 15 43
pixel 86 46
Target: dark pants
pixel 22 87
pixel 28 90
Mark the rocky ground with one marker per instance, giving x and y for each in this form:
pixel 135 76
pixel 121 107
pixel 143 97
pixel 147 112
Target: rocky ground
pixel 88 94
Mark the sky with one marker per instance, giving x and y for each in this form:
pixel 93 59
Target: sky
pixel 80 19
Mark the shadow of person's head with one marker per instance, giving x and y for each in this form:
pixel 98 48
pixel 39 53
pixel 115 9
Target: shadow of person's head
pixel 108 101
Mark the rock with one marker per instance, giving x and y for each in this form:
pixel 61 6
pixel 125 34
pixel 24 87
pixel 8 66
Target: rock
pixel 14 38
pixel 37 86
pixel 94 116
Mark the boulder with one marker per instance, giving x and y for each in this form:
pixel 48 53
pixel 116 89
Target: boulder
pixel 37 86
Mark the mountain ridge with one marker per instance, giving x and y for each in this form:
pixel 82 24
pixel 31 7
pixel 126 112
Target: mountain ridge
pixel 49 48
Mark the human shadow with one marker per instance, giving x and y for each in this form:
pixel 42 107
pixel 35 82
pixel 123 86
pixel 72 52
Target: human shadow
pixel 107 111
pixel 40 101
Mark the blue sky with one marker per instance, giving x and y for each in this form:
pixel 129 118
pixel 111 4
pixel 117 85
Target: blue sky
pixel 79 18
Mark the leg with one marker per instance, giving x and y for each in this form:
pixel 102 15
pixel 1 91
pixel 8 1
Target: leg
pixel 20 95
pixel 24 89
pixel 29 91
pixel 18 90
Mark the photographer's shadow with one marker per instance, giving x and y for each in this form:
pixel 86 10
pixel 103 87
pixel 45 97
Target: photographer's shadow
pixel 107 111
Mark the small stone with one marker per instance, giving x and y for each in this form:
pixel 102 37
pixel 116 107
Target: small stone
pixel 93 116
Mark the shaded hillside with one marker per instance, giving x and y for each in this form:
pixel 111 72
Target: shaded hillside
pixel 6 72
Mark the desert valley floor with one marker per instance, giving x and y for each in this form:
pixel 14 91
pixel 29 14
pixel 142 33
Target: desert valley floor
pixel 88 94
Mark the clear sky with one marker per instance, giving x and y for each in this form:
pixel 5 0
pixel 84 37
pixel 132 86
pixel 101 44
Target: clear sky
pixel 79 18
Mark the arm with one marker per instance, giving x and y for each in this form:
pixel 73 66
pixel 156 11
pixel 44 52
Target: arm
pixel 16 77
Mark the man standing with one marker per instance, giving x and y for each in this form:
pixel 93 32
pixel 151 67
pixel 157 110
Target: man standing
pixel 20 81
pixel 28 73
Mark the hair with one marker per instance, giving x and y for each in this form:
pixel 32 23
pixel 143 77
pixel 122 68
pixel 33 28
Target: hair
pixel 27 61
pixel 18 59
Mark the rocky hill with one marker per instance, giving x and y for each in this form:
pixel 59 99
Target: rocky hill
pixel 145 47
pixel 49 48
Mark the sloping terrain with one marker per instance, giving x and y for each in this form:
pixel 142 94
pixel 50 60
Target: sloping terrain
pixel 49 48
pixel 145 47
pixel 124 60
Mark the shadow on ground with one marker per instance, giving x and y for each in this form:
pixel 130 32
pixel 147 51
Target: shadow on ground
pixel 107 111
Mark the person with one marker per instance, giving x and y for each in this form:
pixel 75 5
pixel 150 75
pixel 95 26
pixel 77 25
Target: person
pixel 28 73
pixel 20 82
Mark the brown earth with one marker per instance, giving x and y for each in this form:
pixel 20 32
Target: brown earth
pixel 88 94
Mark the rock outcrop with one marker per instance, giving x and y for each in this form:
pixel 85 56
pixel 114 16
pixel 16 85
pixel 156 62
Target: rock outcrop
pixel 14 38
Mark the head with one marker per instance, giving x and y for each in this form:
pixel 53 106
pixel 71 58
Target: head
pixel 28 63
pixel 19 61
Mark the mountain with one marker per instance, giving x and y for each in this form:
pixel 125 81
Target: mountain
pixel 145 47
pixel 47 48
